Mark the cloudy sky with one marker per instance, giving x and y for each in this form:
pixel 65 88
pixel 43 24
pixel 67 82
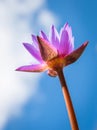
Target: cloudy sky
pixel 30 101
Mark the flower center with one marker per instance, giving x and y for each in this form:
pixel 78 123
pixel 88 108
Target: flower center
pixel 57 62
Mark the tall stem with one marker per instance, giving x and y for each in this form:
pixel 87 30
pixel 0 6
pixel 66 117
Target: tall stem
pixel 69 105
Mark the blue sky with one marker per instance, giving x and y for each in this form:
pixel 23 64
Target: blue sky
pixel 35 101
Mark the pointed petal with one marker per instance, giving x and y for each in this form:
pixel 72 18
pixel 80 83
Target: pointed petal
pixel 54 36
pixel 43 35
pixel 66 41
pixel 48 51
pixel 33 51
pixel 63 47
pixel 71 38
pixel 33 68
pixel 73 56
pixel 34 39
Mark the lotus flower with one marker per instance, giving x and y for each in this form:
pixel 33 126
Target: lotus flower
pixel 53 52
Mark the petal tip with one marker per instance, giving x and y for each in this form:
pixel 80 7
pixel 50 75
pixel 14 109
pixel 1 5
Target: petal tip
pixel 39 39
pixel 32 35
pixel 25 44
pixel 66 24
pixel 52 26
pixel 18 69
pixel 86 43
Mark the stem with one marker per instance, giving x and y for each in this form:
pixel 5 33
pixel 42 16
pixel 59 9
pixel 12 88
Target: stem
pixel 69 105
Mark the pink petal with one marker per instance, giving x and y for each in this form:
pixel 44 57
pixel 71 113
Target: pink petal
pixel 54 37
pixel 48 51
pixel 43 35
pixel 69 30
pixel 33 51
pixel 66 41
pixel 73 56
pixel 33 68
pixel 71 38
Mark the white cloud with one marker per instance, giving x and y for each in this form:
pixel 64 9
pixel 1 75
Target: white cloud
pixel 13 92
pixel 47 18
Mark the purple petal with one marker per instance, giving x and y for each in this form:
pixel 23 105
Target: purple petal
pixel 33 68
pixel 35 53
pixel 34 39
pixel 73 56
pixel 69 30
pixel 66 41
pixel 71 38
pixel 54 37
pixel 48 51
pixel 43 35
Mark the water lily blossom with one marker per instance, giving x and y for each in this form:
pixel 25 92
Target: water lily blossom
pixel 54 52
